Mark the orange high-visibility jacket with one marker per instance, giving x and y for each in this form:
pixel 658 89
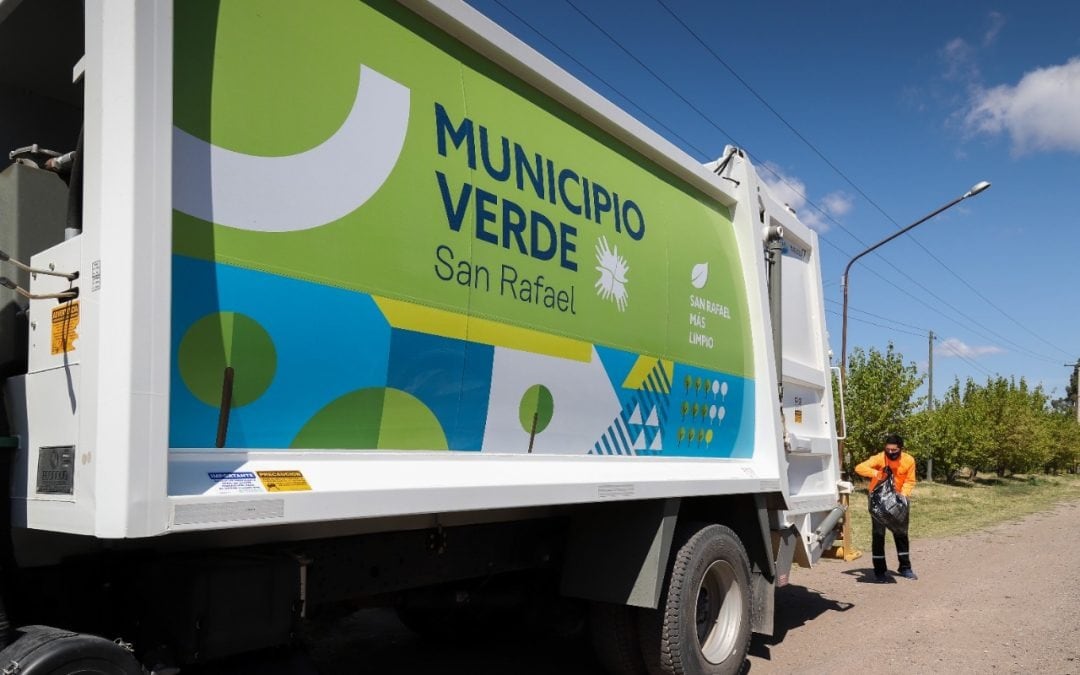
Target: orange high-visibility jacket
pixel 903 471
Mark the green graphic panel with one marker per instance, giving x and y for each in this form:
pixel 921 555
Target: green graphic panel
pixel 501 205
pixel 375 418
pixel 537 403
pixel 221 340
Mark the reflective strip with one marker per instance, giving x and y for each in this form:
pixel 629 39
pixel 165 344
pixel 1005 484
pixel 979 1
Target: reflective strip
pixel 903 554
pixel 878 557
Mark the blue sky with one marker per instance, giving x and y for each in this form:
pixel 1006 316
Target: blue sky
pixel 913 103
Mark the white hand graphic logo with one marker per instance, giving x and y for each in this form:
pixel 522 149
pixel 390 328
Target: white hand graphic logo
pixel 613 269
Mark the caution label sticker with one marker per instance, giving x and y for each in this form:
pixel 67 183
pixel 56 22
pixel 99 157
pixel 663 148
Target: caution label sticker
pixel 233 482
pixel 283 481
pixel 798 416
pixel 65 322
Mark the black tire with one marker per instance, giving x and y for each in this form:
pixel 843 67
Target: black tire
pixel 615 640
pixel 51 651
pixel 691 633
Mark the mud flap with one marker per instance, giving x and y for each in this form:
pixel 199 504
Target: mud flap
pixel 618 553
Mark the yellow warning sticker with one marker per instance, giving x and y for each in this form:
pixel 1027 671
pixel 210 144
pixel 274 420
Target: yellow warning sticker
pixel 283 481
pixel 798 416
pixel 65 321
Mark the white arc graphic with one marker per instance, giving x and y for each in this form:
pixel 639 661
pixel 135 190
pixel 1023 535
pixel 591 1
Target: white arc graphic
pixel 301 191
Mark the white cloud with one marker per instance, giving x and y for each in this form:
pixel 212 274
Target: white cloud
pixel 997 22
pixel 837 203
pixel 960 56
pixel 790 190
pixel 960 64
pixel 1040 112
pixel 958 348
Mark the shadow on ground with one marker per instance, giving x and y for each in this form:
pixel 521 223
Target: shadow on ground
pixel 795 607
pixel 375 642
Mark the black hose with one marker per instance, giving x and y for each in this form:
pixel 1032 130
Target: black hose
pixel 75 188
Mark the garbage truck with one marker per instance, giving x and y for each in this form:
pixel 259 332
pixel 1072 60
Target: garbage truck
pixel 310 305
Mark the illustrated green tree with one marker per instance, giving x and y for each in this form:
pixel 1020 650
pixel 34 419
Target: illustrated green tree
pixel 879 397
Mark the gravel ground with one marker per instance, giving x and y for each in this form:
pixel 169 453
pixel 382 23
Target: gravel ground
pixel 1004 599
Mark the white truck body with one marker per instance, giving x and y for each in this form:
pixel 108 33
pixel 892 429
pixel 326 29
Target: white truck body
pixel 101 397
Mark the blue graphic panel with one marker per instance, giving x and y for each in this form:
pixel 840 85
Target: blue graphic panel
pixel 617 364
pixel 317 361
pixel 451 377
pixel 692 412
pixel 712 416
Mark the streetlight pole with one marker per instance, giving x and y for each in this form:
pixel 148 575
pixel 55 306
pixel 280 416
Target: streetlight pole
pixel 975 189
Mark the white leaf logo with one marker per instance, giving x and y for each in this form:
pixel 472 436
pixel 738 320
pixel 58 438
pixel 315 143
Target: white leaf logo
pixel 699 275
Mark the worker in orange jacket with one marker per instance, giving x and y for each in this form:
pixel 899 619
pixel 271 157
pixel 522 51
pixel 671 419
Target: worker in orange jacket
pixel 902 467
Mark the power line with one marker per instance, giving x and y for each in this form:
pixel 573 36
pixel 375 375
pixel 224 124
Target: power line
pixel 615 89
pixel 844 176
pixel 879 325
pixel 702 155
pixel 944 345
pixel 924 331
pixel 710 121
pixel 659 79
pixel 957 353
pixel 972 325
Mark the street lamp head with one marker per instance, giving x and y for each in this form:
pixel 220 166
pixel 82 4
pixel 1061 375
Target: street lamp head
pixel 977 188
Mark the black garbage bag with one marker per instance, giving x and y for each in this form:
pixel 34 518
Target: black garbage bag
pixel 887 506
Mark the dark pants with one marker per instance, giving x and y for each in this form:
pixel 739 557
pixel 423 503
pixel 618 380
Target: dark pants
pixel 877 547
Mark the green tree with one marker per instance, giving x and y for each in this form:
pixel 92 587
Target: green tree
pixel 1012 424
pixel 1068 403
pixel 1064 454
pixel 879 396
pixel 945 434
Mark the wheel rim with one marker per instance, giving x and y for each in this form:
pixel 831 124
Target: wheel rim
pixel 719 612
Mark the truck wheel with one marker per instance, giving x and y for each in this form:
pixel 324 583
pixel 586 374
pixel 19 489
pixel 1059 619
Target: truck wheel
pixel 702 624
pixel 51 651
pixel 615 640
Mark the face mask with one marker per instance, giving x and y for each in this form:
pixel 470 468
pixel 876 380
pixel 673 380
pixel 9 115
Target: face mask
pixel 892 455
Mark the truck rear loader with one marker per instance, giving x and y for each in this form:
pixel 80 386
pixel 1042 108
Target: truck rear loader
pixel 367 301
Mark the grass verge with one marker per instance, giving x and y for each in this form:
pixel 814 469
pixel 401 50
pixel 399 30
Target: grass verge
pixel 942 510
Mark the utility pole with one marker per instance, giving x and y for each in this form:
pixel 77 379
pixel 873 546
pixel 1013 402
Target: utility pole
pixel 930 372
pixel 930 396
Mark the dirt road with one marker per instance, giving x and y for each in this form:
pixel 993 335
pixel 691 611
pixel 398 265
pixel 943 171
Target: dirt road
pixel 1002 600
pixel 1005 600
